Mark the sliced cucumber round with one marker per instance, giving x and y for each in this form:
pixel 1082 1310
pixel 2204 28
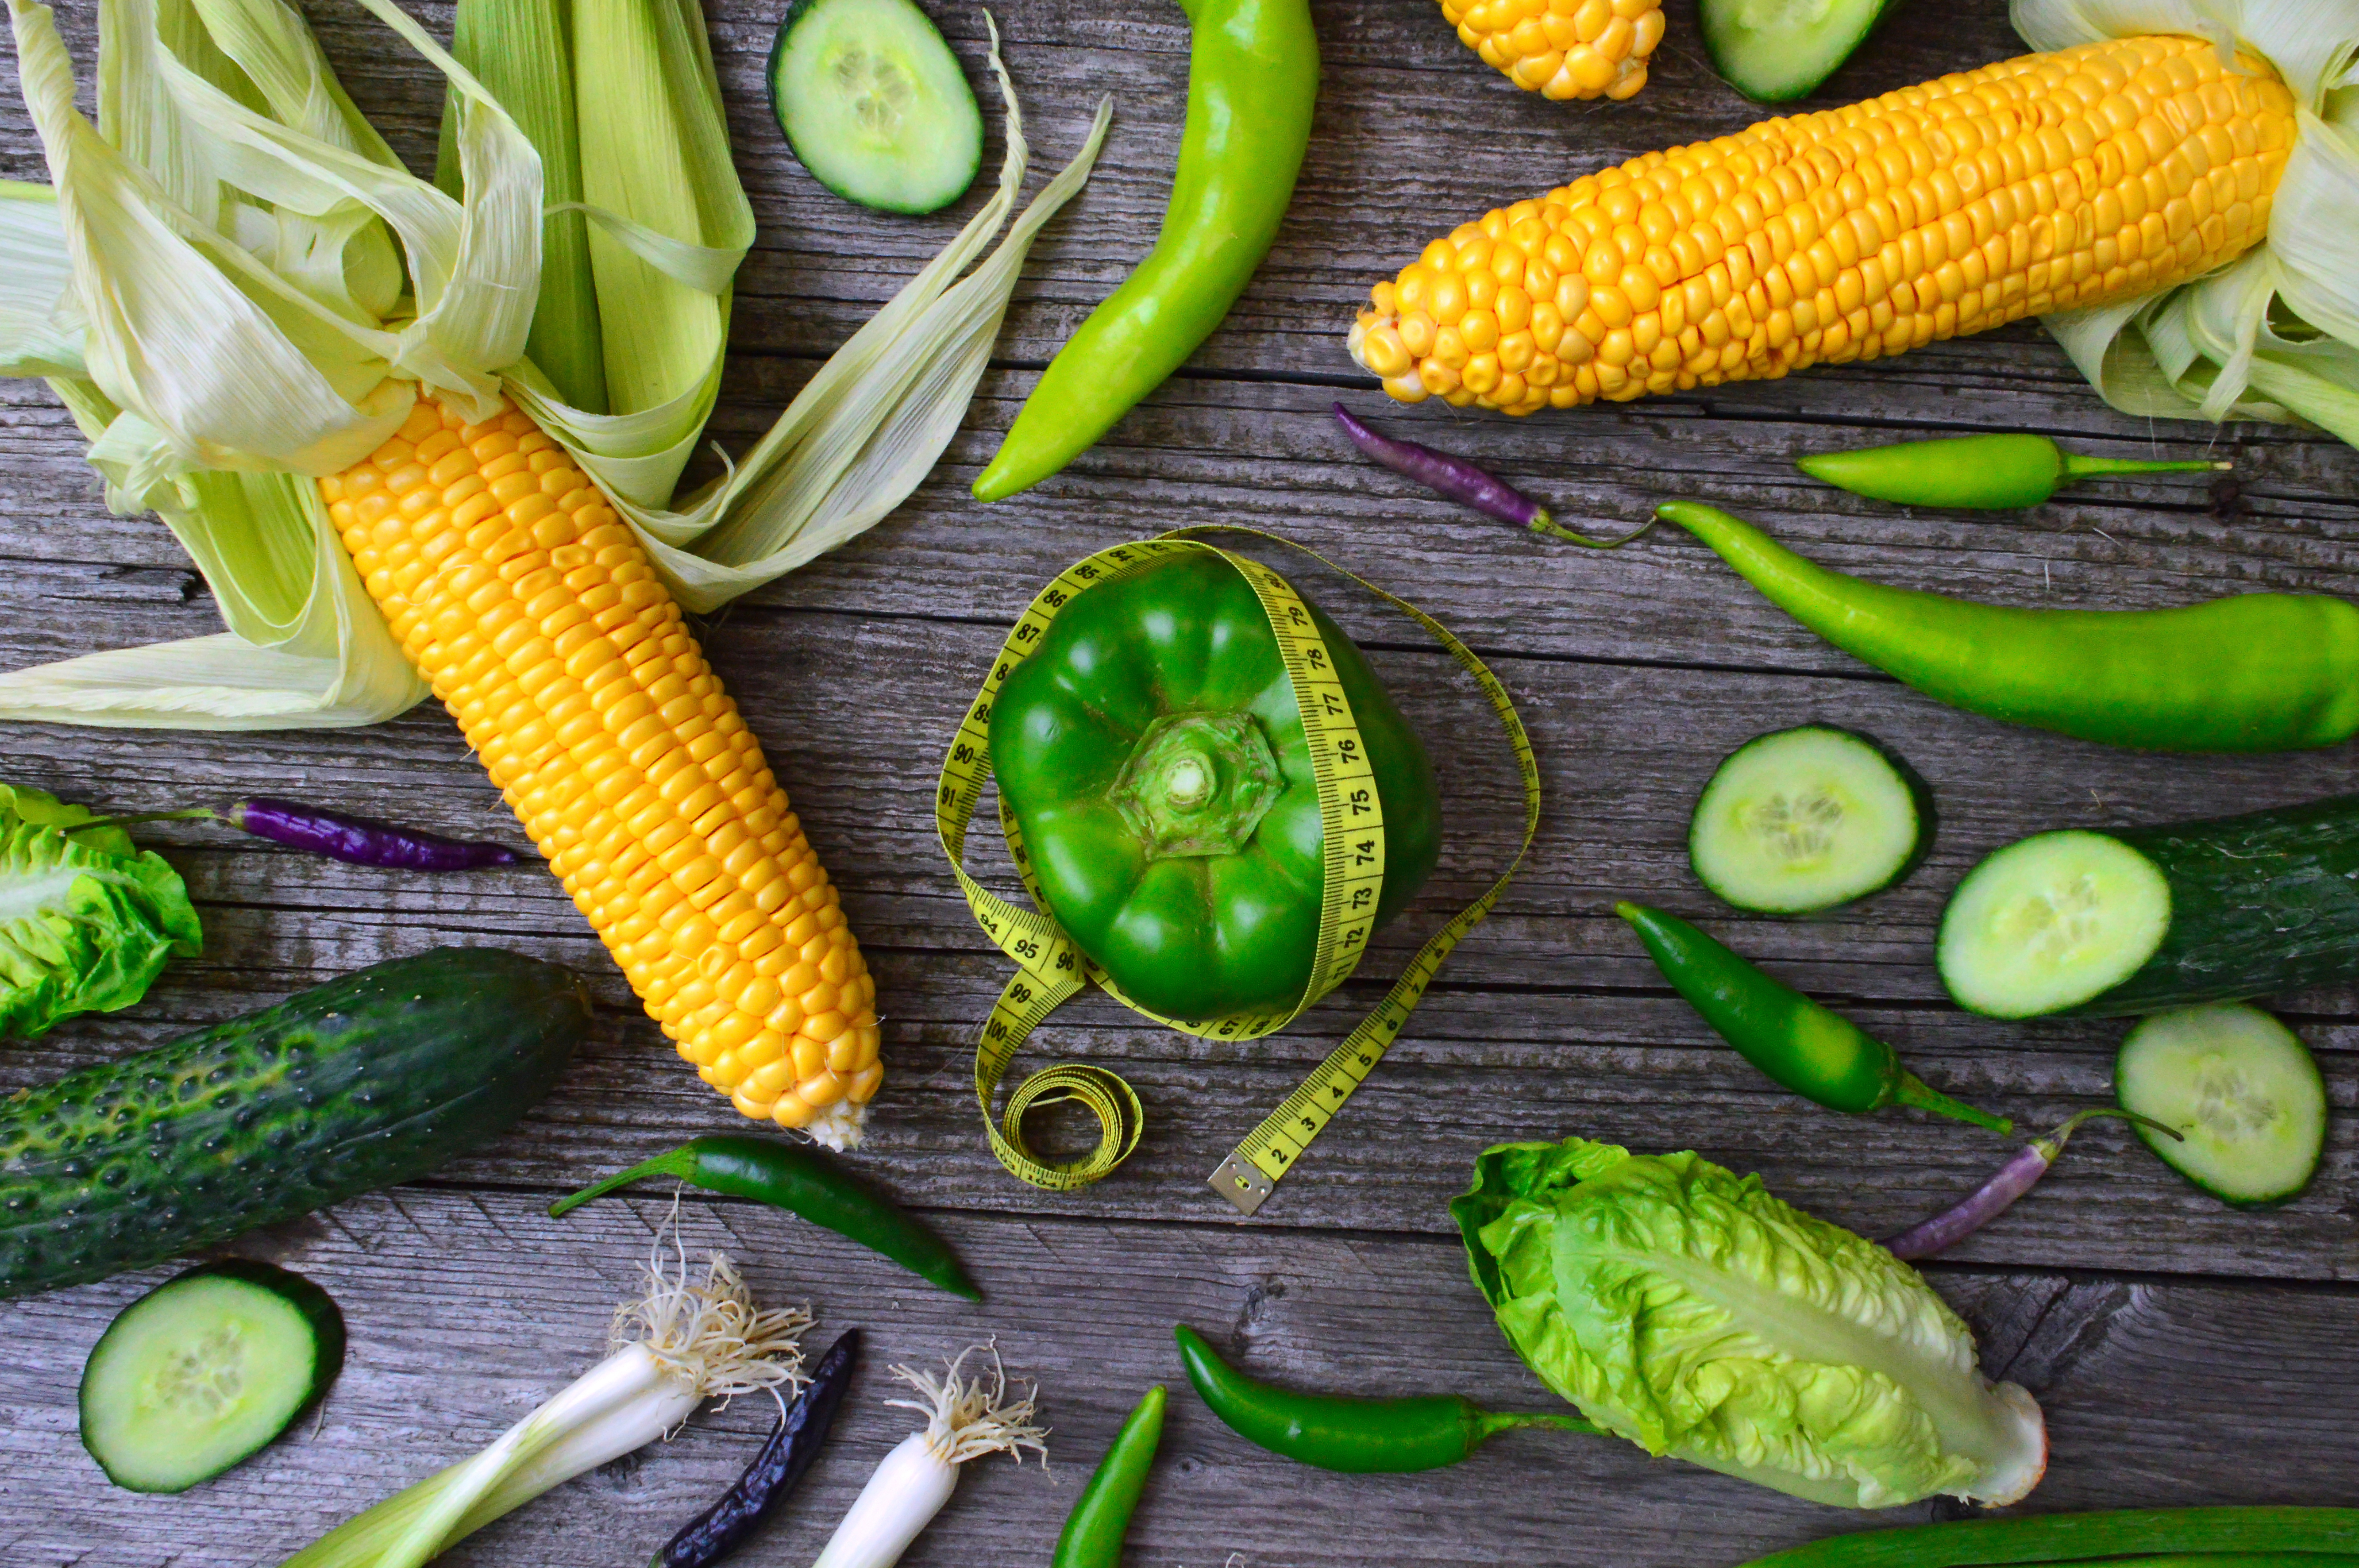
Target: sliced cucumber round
pixel 1772 50
pixel 2050 922
pixel 204 1370
pixel 874 104
pixel 2244 1093
pixel 1806 819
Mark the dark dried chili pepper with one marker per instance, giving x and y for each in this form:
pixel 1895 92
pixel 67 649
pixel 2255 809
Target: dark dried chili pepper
pixel 2010 1181
pixel 338 836
pixel 361 841
pixel 802 1428
pixel 1460 481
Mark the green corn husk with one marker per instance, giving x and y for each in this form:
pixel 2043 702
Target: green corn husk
pixel 235 288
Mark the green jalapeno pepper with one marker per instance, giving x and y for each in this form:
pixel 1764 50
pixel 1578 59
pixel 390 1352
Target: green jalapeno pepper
pixel 1334 1431
pixel 1819 1054
pixel 1151 754
pixel 1980 472
pixel 1094 1530
pixel 803 1182
pixel 2250 672
pixel 1253 75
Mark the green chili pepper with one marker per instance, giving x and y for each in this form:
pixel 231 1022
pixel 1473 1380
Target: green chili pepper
pixel 2250 672
pixel 1152 754
pixel 1337 1432
pixel 1984 473
pixel 1253 75
pixel 1819 1054
pixel 1094 1530
pixel 806 1182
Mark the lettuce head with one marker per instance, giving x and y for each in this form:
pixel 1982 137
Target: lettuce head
pixel 87 921
pixel 1686 1309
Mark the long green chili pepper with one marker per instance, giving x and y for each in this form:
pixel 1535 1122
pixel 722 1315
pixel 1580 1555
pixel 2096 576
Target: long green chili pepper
pixel 1253 75
pixel 807 1183
pixel 1094 1530
pixel 1978 472
pixel 1819 1054
pixel 2327 1538
pixel 1335 1431
pixel 2250 672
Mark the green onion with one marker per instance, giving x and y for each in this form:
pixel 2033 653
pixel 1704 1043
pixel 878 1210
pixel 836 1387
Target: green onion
pixel 680 1344
pixel 2199 1538
pixel 965 1419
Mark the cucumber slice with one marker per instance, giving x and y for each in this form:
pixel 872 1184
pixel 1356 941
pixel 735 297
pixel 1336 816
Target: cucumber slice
pixel 1806 819
pixel 2242 1088
pixel 1772 50
pixel 204 1370
pixel 874 103
pixel 2050 922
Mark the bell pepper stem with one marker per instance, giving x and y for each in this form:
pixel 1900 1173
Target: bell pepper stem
pixel 1914 1091
pixel 2079 467
pixel 679 1162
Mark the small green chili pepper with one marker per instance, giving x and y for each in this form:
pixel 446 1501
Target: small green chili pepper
pixel 806 1182
pixel 1819 1054
pixel 1094 1530
pixel 1983 473
pixel 2249 672
pixel 1253 75
pixel 1335 1431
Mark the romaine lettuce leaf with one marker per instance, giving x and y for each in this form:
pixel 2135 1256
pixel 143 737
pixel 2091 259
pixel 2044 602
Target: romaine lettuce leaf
pixel 87 921
pixel 1688 1309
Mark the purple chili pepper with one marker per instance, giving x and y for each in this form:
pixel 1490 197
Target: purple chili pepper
pixel 1460 481
pixel 1989 1201
pixel 362 841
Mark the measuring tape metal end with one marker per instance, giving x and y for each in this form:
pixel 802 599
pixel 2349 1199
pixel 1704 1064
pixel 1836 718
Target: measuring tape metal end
pixel 1243 1185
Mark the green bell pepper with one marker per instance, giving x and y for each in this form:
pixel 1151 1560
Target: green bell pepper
pixel 1151 754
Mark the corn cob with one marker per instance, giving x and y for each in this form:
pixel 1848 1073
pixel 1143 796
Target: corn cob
pixel 537 616
pixel 1563 48
pixel 2043 183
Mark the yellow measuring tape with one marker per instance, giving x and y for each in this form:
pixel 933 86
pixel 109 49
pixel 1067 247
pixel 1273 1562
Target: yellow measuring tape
pixel 1051 968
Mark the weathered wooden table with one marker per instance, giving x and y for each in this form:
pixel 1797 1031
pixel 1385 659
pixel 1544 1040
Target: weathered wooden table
pixel 2184 1353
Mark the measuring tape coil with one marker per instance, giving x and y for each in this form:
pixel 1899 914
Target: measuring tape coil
pixel 1051 967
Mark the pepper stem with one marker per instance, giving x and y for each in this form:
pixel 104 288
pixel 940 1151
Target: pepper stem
pixel 1915 1091
pixel 679 1162
pixel 1488 1424
pixel 2077 467
pixel 193 814
pixel 1548 527
pixel 2051 1146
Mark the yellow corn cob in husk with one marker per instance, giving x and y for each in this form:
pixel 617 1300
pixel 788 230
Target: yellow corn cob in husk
pixel 1563 48
pixel 2041 184
pixel 537 616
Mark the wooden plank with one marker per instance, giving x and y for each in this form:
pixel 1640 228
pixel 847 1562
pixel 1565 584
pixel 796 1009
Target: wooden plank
pixel 467 1308
pixel 1223 452
pixel 1548 1021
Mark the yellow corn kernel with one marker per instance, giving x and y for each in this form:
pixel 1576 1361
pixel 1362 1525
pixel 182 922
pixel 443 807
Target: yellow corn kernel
pixel 539 622
pixel 1563 48
pixel 2047 182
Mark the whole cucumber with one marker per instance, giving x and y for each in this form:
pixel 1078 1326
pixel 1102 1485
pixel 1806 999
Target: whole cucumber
pixel 367 1081
pixel 2260 903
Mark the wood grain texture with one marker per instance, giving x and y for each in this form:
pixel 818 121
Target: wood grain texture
pixel 467 1309
pixel 2186 1353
